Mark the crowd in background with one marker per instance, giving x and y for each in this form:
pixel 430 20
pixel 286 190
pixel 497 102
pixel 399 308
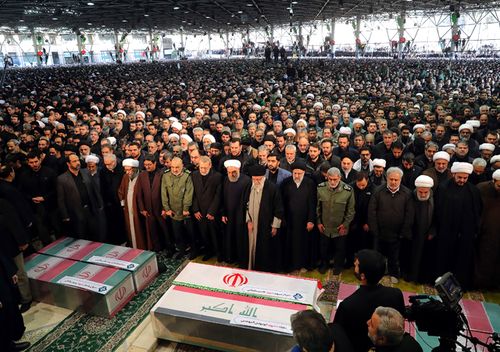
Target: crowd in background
pixel 275 167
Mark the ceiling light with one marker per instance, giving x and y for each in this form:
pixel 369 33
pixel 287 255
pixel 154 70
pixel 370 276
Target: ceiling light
pixel 176 7
pixel 240 11
pixel 21 20
pixel 249 5
pixel 54 18
pixel 295 2
pixel 90 24
pixel 124 21
pixel 90 4
pixel 146 15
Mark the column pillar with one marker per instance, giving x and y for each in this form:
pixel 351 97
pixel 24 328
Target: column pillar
pixel 332 36
pixel 79 44
pixel 117 47
pixel 455 30
pixel 37 47
pixel 209 42
pixel 357 32
pixel 401 33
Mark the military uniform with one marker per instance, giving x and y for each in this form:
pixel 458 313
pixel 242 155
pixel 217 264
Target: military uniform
pixel 335 207
pixel 177 196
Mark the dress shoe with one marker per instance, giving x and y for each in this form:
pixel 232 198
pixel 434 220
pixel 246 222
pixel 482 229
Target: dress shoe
pixel 192 254
pixel 25 307
pixel 322 269
pixel 19 346
pixel 207 257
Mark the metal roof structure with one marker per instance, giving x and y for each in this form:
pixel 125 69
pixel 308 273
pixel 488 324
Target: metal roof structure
pixel 202 15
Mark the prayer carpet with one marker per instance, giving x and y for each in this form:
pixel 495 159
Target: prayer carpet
pixel 82 332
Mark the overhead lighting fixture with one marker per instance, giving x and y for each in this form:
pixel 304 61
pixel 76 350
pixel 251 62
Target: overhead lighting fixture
pixel 21 20
pixel 240 11
pixel 146 15
pixel 54 18
pixel 90 24
pixel 124 21
pixel 176 8
pixel 295 2
pixel 249 5
pixel 90 4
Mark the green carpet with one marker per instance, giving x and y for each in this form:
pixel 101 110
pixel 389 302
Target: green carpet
pixel 83 332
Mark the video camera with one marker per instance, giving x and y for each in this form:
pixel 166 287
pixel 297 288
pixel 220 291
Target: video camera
pixel 444 318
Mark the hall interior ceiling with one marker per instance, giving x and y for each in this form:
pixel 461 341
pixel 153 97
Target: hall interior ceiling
pixel 204 15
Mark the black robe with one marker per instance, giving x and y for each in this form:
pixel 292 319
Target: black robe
pixel 458 213
pixel 299 205
pixel 268 251
pixel 235 237
pixel 488 249
pixel 421 264
pixel 110 182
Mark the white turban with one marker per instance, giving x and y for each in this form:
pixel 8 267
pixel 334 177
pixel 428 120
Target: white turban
pixel 318 104
pixel 310 96
pixel 487 146
pixel 358 120
pixel 130 162
pixel 496 175
pixel 418 125
pixel 462 168
pixel 301 120
pixel 494 159
pixel 140 113
pixel 92 159
pixel 201 111
pixel 256 107
pixel 473 123
pixel 177 125
pixel 336 106
pixel 209 137
pixel 379 162
pixel 419 95
pixel 112 140
pixel 449 146
pixel 440 156
pixel 173 119
pixel 465 127
pixel 232 163
pixel 121 112
pixel 290 130
pixel 424 181
pixel 173 135
pixel 186 137
pixel 345 130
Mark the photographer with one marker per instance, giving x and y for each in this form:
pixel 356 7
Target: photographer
pixel 355 310
pixel 386 330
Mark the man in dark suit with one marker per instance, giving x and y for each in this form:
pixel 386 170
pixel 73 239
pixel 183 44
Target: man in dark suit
pixel 353 312
pixel 11 321
pixel 207 185
pixel 78 201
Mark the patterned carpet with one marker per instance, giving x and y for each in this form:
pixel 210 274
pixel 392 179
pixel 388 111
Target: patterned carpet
pixel 83 332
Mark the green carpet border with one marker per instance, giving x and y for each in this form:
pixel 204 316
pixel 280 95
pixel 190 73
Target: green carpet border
pixel 47 342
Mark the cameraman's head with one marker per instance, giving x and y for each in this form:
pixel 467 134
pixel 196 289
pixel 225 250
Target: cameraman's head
pixel 369 266
pixel 311 332
pixel 386 327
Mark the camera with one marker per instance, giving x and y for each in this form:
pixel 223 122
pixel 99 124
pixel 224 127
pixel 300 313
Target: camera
pixel 444 318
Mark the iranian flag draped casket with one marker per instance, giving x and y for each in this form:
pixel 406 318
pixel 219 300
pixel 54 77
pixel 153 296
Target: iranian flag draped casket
pixel 94 289
pixel 141 264
pixel 232 309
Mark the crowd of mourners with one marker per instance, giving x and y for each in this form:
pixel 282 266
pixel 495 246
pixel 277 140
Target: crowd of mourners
pixel 275 167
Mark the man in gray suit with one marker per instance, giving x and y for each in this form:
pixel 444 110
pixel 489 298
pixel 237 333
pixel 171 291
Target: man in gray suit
pixel 80 204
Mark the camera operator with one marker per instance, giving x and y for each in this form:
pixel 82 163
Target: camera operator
pixel 355 310
pixel 386 330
